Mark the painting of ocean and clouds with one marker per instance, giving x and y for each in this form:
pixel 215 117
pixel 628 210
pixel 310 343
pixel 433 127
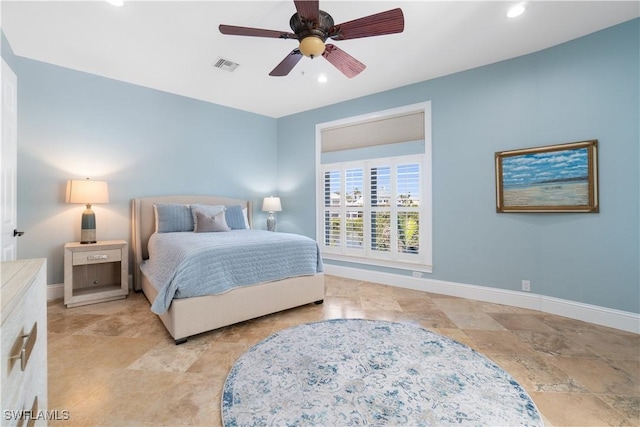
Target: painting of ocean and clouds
pixel 559 178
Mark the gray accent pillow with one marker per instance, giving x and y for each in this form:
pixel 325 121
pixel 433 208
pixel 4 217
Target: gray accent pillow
pixel 173 217
pixel 210 210
pixel 206 223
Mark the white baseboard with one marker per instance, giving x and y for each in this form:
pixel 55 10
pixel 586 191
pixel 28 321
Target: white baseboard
pixel 56 291
pixel 612 318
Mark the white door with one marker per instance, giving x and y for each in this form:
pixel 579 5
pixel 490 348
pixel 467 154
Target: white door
pixel 8 164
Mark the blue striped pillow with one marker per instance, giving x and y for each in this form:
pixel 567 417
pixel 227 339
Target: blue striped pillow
pixel 235 217
pixel 173 217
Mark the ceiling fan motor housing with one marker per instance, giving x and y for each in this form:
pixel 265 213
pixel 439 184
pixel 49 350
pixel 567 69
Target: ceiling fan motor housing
pixel 311 33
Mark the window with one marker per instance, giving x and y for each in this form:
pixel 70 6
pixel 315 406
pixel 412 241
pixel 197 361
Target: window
pixel 374 188
pixel 372 209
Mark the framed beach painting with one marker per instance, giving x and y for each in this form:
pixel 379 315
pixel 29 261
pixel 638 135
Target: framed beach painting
pixel 553 178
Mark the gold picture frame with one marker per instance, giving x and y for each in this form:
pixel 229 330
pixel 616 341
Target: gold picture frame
pixel 553 178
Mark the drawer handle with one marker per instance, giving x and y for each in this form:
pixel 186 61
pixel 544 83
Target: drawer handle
pixel 96 257
pixel 27 346
pixel 32 415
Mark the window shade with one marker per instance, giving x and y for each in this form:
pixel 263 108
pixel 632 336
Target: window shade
pixel 385 130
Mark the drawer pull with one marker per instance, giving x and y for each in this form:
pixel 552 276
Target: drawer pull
pixel 97 257
pixel 27 347
pixel 30 415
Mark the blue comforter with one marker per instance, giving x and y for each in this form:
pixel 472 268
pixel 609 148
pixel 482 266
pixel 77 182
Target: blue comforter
pixel 188 264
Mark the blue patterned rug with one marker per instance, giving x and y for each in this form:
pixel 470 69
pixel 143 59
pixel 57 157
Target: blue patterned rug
pixel 351 372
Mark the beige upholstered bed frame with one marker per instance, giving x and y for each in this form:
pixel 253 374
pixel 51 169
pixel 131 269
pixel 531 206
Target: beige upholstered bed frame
pixel 191 316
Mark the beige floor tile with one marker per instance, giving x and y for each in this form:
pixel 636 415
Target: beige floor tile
pixel 537 373
pixel 114 364
pixel 498 342
pixel 473 320
pixel 458 305
pixel 521 322
pixel 74 322
pixel 554 344
pixel 578 409
pixel 627 406
pixel 604 343
pixel 434 319
pixel 168 357
pixel 192 401
pixel 600 376
pixel 456 335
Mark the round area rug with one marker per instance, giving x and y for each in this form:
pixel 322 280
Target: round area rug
pixel 366 372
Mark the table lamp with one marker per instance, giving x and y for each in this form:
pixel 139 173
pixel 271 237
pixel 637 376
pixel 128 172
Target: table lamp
pixel 87 192
pixel 271 204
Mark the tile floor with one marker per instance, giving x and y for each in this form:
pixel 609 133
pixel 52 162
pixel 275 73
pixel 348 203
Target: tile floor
pixel 114 364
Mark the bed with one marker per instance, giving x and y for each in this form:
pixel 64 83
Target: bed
pixel 192 315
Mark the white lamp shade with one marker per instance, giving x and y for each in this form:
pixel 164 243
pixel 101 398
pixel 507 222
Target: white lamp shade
pixel 86 191
pixel 271 204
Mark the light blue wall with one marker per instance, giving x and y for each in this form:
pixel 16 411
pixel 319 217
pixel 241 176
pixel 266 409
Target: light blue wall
pixel 143 142
pixel 146 142
pixel 585 89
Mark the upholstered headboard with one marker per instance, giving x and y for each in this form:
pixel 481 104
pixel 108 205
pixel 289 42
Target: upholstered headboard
pixel 143 222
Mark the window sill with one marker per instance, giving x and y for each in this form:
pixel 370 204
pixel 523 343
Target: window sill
pixel 403 265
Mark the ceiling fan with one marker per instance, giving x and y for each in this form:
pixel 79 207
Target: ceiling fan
pixel 312 26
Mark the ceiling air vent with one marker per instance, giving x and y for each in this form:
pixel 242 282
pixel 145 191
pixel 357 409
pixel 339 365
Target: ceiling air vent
pixel 225 64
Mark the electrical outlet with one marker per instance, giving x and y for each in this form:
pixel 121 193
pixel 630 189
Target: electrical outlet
pixel 526 285
pixel 417 274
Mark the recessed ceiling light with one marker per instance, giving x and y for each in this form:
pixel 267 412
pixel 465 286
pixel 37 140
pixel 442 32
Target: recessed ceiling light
pixel 322 78
pixel 516 10
pixel 116 2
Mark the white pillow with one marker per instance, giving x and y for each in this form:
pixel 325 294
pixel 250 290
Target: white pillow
pixel 246 218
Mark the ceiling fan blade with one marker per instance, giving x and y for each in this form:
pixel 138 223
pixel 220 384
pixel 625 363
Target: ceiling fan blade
pixel 347 64
pixel 287 64
pixel 389 22
pixel 255 32
pixel 308 9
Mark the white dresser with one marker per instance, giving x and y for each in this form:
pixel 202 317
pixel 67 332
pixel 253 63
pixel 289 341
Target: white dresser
pixel 24 343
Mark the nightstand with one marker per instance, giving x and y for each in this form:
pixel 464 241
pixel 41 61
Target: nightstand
pixel 95 272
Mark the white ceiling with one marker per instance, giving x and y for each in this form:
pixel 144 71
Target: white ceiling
pixel 172 45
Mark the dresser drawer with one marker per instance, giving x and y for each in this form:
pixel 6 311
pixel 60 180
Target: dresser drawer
pixel 23 379
pixel 12 375
pixel 97 257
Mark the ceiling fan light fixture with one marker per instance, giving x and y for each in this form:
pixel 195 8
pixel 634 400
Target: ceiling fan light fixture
pixel 311 46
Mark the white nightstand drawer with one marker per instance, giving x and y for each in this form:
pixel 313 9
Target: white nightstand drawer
pixel 97 257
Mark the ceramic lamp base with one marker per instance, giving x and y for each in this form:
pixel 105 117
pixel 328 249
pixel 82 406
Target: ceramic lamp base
pixel 271 222
pixel 88 230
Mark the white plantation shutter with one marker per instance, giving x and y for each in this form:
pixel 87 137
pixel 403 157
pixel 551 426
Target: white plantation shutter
pixel 380 179
pixel 408 180
pixel 408 205
pixel 332 222
pixel 372 208
pixel 354 185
